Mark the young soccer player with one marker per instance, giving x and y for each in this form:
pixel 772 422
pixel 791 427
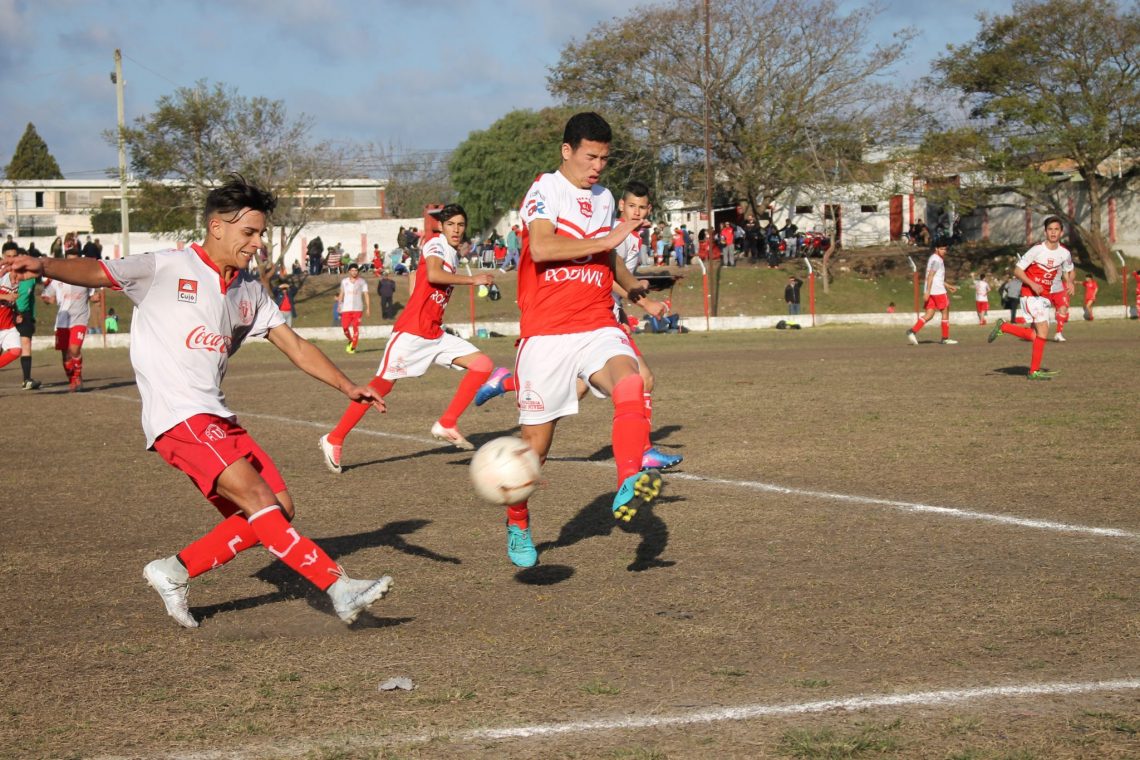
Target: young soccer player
pixel 1091 287
pixel 1037 269
pixel 981 297
pixel 418 340
pixel 74 302
pixel 935 295
pixel 193 309
pixel 9 338
pixel 353 302
pixel 566 273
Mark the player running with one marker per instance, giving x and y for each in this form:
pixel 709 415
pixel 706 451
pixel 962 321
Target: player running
pixel 981 297
pixel 934 294
pixel 9 338
pixel 566 274
pixel 1091 287
pixel 1037 269
pixel 74 302
pixel 193 309
pixel 418 340
pixel 353 302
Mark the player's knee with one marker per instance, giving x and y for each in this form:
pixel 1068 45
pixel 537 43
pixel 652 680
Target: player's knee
pixel 286 502
pixel 481 363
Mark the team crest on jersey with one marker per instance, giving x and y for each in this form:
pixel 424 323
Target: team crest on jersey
pixel 245 311
pixel 214 432
pixel 529 400
pixel 187 291
pixel 586 206
pixel 399 368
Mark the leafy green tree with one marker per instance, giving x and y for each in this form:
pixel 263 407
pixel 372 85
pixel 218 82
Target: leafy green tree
pixel 1052 85
pixel 32 159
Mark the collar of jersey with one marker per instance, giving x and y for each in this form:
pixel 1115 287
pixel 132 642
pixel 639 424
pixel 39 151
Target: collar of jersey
pixel 223 284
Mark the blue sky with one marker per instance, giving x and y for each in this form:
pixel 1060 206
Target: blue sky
pixel 385 71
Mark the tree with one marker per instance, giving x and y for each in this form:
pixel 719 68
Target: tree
pixel 32 159
pixel 1053 83
pixel 416 178
pixel 199 135
pixel 492 169
pixel 790 82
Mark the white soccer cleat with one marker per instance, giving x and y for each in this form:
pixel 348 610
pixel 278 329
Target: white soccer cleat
pixel 331 453
pixel 172 590
pixel 350 596
pixel 451 435
pixel 1059 338
pixel 949 342
pixel 911 337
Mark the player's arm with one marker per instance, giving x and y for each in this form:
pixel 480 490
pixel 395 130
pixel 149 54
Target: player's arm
pixel 1071 281
pixel 440 277
pixel 86 272
pixel 1020 274
pixel 313 362
pixel 547 245
pixel 367 305
pixel 929 283
pixel 628 286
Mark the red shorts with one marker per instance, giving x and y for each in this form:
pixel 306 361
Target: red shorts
pixel 1059 299
pixel 938 302
pixel 205 445
pixel 69 336
pixel 982 306
pixel 350 319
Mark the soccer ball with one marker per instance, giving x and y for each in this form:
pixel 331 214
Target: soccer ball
pixel 505 471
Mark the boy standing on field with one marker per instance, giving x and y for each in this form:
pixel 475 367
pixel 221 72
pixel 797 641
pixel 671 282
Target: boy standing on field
pixel 353 302
pixel 935 295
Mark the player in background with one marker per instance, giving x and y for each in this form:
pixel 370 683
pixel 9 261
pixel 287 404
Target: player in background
pixel 24 308
pixel 193 309
pixel 1060 293
pixel 981 297
pixel 74 311
pixel 1037 269
pixel 935 295
pixel 9 338
pixel 1136 276
pixel 566 274
pixel 1091 287
pixel 353 301
pixel 418 340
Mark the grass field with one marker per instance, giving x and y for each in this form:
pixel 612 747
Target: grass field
pixel 871 550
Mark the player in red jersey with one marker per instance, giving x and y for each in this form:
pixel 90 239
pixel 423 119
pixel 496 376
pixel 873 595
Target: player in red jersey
pixel 9 338
pixel 935 294
pixel 1091 287
pixel 1136 276
pixel 353 300
pixel 418 340
pixel 1037 269
pixel 70 323
pixel 568 332
pixel 193 309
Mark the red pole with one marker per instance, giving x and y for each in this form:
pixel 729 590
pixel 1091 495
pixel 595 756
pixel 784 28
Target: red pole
pixel 1124 292
pixel 472 303
pixel 916 295
pixel 103 324
pixel 811 296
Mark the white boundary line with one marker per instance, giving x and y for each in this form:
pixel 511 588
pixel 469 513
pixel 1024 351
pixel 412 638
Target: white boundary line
pixel 902 506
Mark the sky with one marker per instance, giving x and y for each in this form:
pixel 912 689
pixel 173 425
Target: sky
pixel 382 71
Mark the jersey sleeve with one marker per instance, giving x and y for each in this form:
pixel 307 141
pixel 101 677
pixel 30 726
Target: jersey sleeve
pixel 539 203
pixel 267 315
pixel 1067 264
pixel 1026 259
pixel 435 248
pixel 133 275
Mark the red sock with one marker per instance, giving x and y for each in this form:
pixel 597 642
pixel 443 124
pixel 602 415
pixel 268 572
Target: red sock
pixel 648 399
pixel 510 383
pixel 918 325
pixel 9 356
pixel 477 373
pixel 219 546
pixel 945 329
pixel 77 368
pixel 1018 331
pixel 518 515
pixel 286 544
pixel 630 429
pixel 356 411
pixel 1062 319
pixel 1038 352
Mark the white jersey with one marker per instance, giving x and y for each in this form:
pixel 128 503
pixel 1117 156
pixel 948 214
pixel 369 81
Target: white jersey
pixel 936 275
pixel 628 251
pixel 1042 265
pixel 981 290
pixel 73 302
pixel 352 294
pixel 187 323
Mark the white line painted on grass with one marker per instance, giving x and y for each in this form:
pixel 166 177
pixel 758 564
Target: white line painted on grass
pixel 903 506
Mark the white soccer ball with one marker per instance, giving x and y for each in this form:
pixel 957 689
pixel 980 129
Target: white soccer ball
pixel 505 471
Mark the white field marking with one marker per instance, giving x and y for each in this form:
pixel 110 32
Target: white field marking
pixel 902 506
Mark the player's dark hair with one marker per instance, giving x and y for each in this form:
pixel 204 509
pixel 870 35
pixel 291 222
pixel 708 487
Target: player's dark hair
pixel 586 126
pixel 450 210
pixel 1050 219
pixel 238 193
pixel 10 245
pixel 636 189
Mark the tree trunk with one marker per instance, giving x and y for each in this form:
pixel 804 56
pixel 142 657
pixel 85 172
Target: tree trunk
pixel 1096 243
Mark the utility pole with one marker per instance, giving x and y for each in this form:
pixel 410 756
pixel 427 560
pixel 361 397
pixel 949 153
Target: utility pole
pixel 710 231
pixel 124 214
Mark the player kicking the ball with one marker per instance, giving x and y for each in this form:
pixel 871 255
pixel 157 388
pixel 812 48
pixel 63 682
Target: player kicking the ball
pixel 418 340
pixel 1038 269
pixel 193 309
pixel 566 274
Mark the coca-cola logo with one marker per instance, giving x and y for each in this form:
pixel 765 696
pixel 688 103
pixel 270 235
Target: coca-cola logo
pixel 201 338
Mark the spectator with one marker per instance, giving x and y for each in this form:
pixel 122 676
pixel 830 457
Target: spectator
pixel 679 247
pixel 33 251
pixel 513 248
pixel 316 254
pixel 111 323
pixel 91 249
pixel 386 289
pixel 792 294
pixel 891 307
pixel 1011 296
pixel 56 249
pixel 284 300
pixel 727 241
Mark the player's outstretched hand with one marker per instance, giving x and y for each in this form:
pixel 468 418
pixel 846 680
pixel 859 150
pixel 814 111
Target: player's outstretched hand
pixel 483 278
pixel 22 264
pixel 368 394
pixel 654 309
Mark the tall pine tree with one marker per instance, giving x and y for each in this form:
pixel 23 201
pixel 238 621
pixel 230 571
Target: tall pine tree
pixel 32 159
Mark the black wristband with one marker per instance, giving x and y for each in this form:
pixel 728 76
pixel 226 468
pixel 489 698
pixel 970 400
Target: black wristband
pixel 636 294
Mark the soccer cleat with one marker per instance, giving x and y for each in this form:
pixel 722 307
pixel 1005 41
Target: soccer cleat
pixel 331 453
pixel 638 490
pixel 994 333
pixel 492 387
pixel 1059 338
pixel 655 459
pixel 350 349
pixel 911 337
pixel 520 547
pixel 350 596
pixel 172 591
pixel 450 435
pixel 948 342
pixel 1041 374
pixel 32 385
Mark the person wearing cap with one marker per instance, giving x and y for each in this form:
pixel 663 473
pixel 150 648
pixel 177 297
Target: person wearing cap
pixel 935 294
pixel 353 301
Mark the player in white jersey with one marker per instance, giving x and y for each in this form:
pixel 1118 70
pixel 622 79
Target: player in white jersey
pixel 9 338
pixel 935 293
pixel 74 302
pixel 981 297
pixel 193 309
pixel 353 300
pixel 1038 268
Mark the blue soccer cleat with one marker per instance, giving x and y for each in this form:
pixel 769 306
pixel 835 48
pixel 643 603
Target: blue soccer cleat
pixel 655 459
pixel 493 387
pixel 520 547
pixel 638 490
